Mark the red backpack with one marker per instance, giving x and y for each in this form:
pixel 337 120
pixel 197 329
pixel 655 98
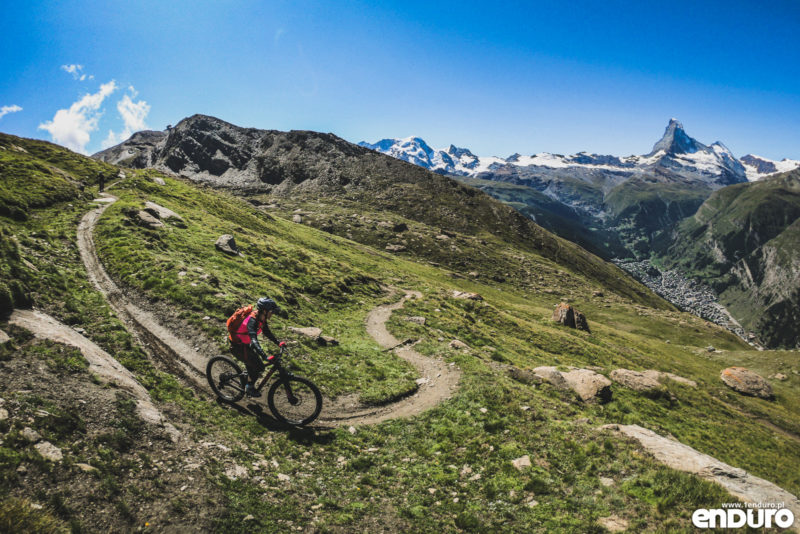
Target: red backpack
pixel 235 321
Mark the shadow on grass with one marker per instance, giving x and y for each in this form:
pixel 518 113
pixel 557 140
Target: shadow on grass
pixel 321 435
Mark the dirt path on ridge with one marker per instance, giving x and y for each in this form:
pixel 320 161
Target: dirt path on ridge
pixel 172 352
pixel 438 380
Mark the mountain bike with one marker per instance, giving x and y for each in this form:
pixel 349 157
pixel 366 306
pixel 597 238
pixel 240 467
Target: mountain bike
pixel 292 399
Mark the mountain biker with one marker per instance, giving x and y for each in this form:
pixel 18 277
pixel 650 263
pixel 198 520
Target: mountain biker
pixel 245 345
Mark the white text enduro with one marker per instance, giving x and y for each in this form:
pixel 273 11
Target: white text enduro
pixel 737 515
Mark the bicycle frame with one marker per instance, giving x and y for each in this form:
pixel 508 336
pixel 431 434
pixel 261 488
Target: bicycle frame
pixel 276 366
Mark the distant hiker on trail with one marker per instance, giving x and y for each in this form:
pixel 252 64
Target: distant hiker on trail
pixel 102 181
pixel 243 329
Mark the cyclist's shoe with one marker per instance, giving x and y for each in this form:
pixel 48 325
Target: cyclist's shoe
pixel 251 391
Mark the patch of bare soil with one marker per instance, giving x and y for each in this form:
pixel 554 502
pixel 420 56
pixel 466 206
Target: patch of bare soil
pixel 117 472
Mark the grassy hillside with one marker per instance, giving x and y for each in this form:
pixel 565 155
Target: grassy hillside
pixel 448 469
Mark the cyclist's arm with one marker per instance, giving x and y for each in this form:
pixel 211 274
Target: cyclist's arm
pixel 252 331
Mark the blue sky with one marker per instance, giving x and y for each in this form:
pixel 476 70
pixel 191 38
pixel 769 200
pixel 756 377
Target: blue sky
pixel 498 78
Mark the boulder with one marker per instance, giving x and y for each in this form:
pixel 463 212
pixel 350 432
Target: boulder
pixel 564 314
pixel 149 220
pixel 746 382
pixel 3 337
pixel 524 376
pixel 552 376
pixel 636 380
pixel 458 345
pixel 569 316
pixel 661 376
pixel 160 212
pixel 589 385
pixel 3 414
pixel 49 451
pixel 466 295
pixel 395 248
pixel 416 320
pixel 297 218
pixel 311 331
pixel 227 244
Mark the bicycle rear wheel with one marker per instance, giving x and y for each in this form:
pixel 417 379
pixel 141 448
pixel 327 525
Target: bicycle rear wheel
pixel 225 378
pixel 295 400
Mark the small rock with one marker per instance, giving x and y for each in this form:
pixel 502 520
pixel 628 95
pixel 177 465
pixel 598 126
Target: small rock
pixel 159 181
pixel 395 248
pixel 483 410
pixel 3 414
pixel 458 345
pixel 552 376
pixel 416 319
pixel 421 381
pixel 248 517
pixel 522 462
pixel 283 477
pixel 297 218
pixel 148 220
pixel 86 468
pixel 605 481
pixel 36 506
pixel 206 318
pixel 442 237
pixel 30 434
pixel 779 376
pixel 160 212
pixel 531 502
pixel 746 382
pixel 523 375
pixel 310 331
pixel 227 244
pixel 236 471
pixel 710 348
pixel 352 430
pixel 49 451
pixel 3 337
pixel 22 469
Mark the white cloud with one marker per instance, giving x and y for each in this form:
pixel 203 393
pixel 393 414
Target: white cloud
pixel 76 71
pixel 133 115
pixel 5 110
pixel 72 127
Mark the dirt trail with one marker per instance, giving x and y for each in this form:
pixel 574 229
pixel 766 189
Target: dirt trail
pixel 174 353
pixel 437 381
pixel 101 363
pixel 737 482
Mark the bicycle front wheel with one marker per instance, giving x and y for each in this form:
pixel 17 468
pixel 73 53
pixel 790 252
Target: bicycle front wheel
pixel 295 400
pixel 225 378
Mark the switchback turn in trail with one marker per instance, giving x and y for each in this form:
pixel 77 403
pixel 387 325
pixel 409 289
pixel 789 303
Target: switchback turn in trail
pixel 437 382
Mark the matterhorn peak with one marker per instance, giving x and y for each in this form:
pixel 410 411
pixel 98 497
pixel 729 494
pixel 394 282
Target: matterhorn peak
pixel 676 141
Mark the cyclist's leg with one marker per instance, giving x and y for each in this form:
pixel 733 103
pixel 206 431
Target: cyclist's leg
pixel 253 364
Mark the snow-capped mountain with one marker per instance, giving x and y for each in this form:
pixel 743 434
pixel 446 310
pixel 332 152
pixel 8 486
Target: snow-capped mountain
pixel 757 167
pixel 675 155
